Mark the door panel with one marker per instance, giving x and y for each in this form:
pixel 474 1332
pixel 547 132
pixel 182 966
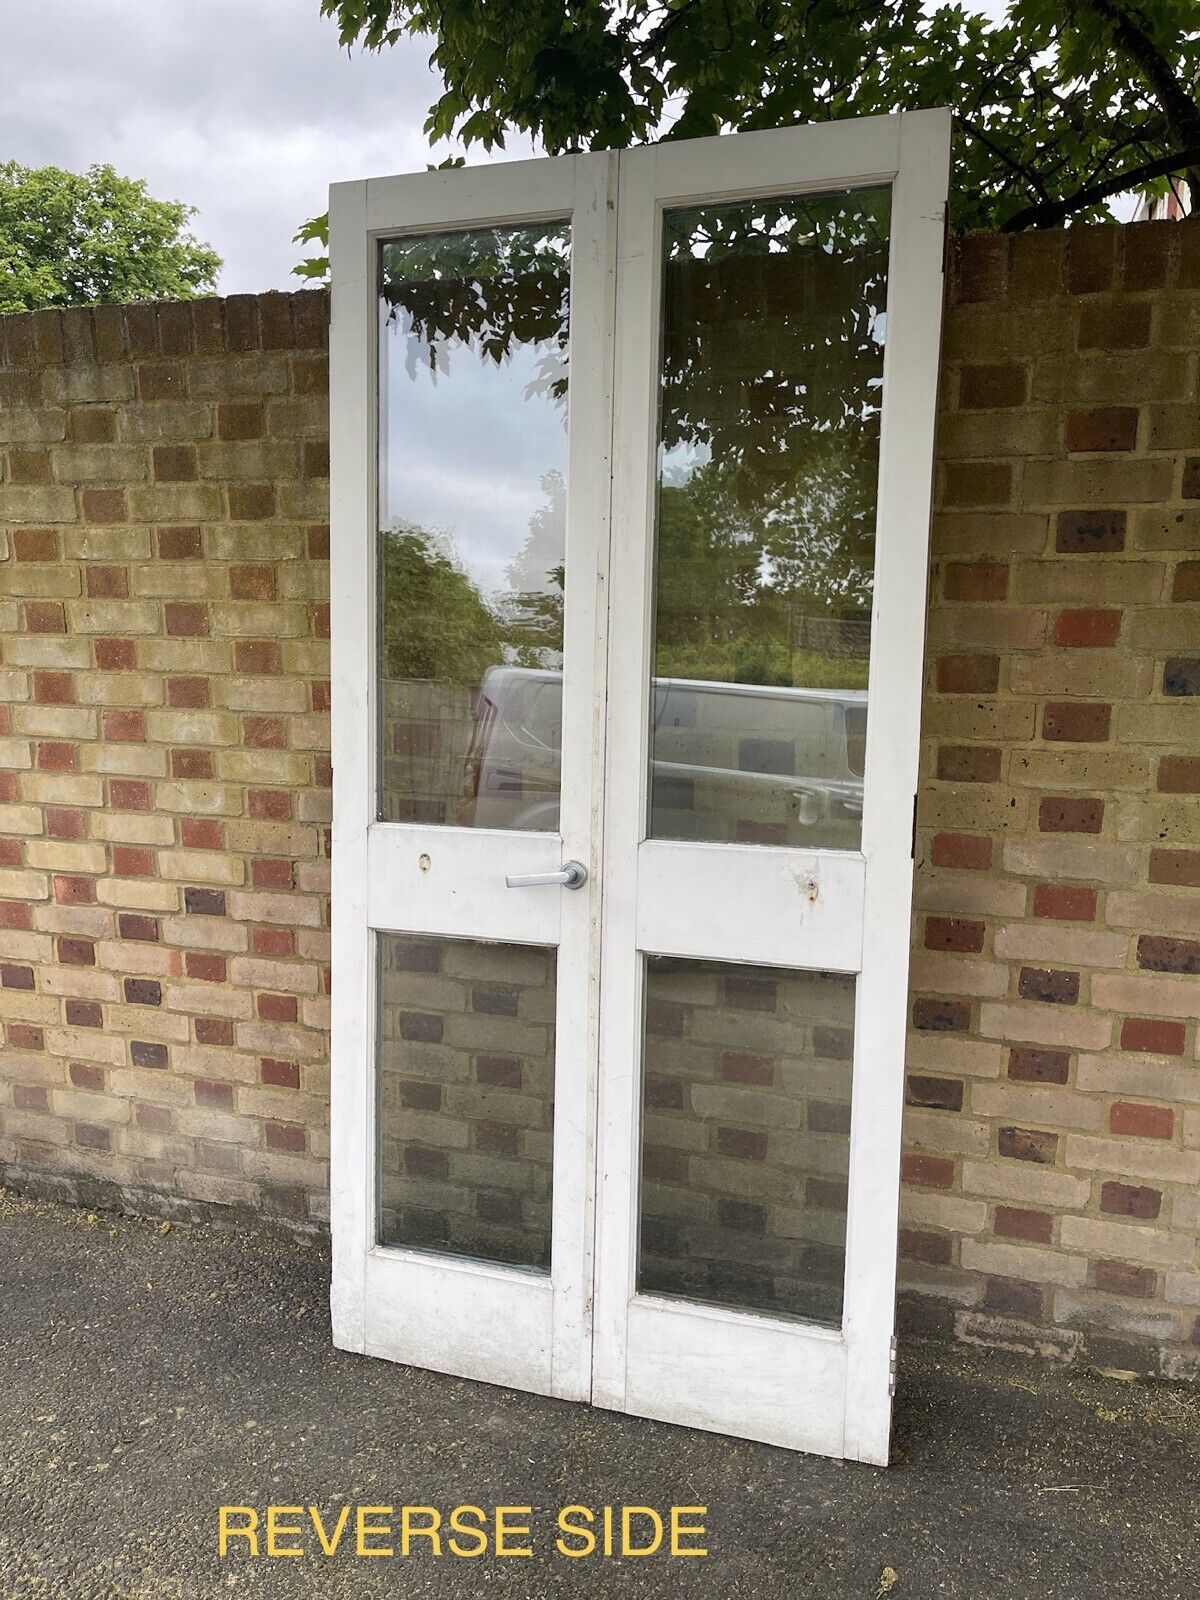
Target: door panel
pixel 771 501
pixel 467 575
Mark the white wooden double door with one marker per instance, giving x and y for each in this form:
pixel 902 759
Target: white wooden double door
pixel 631 460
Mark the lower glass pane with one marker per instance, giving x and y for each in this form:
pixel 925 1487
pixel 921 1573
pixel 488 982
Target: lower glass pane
pixel 466 1097
pixel 746 1135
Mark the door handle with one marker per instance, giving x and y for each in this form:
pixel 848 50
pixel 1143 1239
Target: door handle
pixel 571 875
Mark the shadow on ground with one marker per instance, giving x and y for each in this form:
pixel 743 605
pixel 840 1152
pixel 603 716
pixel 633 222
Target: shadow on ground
pixel 148 1377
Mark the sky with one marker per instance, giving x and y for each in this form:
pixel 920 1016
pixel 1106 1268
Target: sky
pixel 245 109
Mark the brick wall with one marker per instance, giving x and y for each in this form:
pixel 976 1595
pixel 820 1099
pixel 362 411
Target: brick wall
pixel 164 770
pixel 1053 1131
pixel 164 780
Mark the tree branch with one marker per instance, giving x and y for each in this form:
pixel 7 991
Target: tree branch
pixel 1045 216
pixel 1183 114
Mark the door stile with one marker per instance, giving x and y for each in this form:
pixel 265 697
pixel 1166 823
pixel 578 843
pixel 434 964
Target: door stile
pixel 910 383
pixel 352 357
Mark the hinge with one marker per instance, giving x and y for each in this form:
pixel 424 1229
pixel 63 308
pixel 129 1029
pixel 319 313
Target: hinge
pixel 912 850
pixel 892 1370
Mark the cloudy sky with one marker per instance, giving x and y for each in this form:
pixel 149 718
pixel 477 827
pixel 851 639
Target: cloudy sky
pixel 245 109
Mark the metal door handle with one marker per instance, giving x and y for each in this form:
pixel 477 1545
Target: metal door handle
pixel 571 875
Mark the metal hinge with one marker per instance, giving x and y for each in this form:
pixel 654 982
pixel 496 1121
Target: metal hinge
pixel 912 851
pixel 892 1370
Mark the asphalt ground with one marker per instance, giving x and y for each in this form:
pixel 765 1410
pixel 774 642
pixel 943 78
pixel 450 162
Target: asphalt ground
pixel 149 1376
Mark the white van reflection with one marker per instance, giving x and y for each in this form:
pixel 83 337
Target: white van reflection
pixel 730 762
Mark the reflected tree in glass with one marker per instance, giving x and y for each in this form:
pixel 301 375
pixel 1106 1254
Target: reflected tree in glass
pixel 474 330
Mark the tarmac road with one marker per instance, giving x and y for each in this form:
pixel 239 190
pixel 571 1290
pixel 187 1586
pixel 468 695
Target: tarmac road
pixel 147 1377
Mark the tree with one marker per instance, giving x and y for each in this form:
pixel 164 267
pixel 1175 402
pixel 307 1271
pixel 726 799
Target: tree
pixel 1060 104
pixel 69 239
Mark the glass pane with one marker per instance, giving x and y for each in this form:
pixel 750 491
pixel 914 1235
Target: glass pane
pixel 466 1097
pixel 472 514
pixel 746 1135
pixel 770 389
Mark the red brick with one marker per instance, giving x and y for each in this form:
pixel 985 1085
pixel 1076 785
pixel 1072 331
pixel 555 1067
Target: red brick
pixel 44 616
pixel 30 1097
pixel 132 861
pixel 992 387
pixel 252 583
pixel 1071 814
pixel 970 851
pixel 192 763
pixel 116 655
pixel 1113 324
pixel 214 1030
pixel 264 733
pixel 259 657
pixel 180 544
pixel 921 1171
pixel 1010 1297
pixel 129 794
pixel 65 822
pixel 251 502
pixel 103 505
pixel 1161 953
pixel 921 1244
pixel 1155 1035
pixel 35 544
pixel 1064 902
pixel 124 727
pixel 1098 428
pixel 209 1092
pixel 937 1094
pixel 1121 1277
pixel 1186 583
pixel 76 952
pixel 174 463
pixel 205 966
pixel 188 694
pixel 138 926
pixel 742 1144
pixel 276 1007
pixel 969 763
pixel 185 619
pixel 280 1074
pixel 1088 627
pixel 1141 1121
pixel 968 674
pixel 54 688
pixel 954 933
pixel 56 755
pixel 108 583
pixel 1076 722
pixel 84 1014
pixel 289 1136
pixel 86 1075
pixel 1175 866
pixel 941 1016
pixel 976 581
pixel 740 1066
pixel 1179 775
pixel 1130 1200
pixel 72 890
pixel 1028 1144
pixel 271 805
pixel 1016 1222
pixel 24 1036
pixel 201 833
pixel 1048 986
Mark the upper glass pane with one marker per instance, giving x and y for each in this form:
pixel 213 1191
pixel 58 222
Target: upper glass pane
pixel 771 383
pixel 473 330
